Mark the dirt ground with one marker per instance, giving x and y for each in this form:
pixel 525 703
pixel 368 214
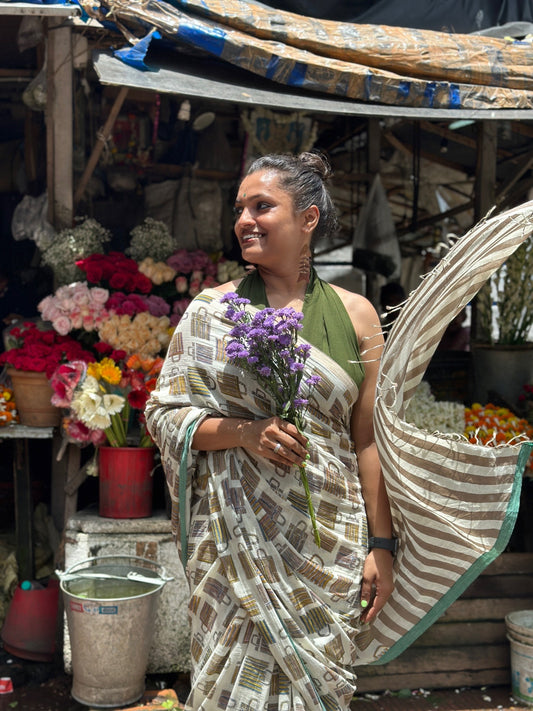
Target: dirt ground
pixel 45 687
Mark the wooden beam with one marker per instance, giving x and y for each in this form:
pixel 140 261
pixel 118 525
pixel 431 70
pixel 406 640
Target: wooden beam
pixel 24 509
pixel 101 139
pixel 432 157
pixel 59 123
pixel 505 189
pixel 456 137
pixel 428 221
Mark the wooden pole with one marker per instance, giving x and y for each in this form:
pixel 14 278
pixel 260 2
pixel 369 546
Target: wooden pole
pixel 59 123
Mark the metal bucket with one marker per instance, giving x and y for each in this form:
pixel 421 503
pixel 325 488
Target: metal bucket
pixel 111 604
pixel 520 634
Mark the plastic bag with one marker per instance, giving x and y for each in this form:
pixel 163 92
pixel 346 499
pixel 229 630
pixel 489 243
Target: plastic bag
pixel 34 95
pixel 375 242
pixel 30 221
pixel 30 33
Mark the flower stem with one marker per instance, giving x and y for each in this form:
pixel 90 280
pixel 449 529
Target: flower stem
pixel 305 482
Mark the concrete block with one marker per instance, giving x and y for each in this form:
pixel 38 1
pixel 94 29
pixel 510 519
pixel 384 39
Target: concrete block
pixel 89 535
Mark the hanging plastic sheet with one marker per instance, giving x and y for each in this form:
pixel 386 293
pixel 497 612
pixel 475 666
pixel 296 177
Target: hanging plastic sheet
pixel 372 63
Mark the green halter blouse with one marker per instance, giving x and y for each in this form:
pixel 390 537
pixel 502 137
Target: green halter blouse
pixel 326 324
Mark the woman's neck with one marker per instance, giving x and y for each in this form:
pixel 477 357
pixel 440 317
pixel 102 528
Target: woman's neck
pixel 284 290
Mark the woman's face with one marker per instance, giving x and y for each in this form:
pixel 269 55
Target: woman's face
pixel 267 227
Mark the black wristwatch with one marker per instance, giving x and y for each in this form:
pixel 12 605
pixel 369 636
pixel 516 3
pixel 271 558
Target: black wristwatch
pixel 388 544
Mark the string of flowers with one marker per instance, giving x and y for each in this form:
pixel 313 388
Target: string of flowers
pixel 492 425
pixel 510 291
pixel 8 407
pixel 266 344
pixel 428 413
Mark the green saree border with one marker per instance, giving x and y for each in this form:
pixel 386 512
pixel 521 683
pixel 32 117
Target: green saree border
pixel 182 489
pixel 475 569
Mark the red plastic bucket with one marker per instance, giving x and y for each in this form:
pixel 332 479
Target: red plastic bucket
pixel 126 482
pixel 30 626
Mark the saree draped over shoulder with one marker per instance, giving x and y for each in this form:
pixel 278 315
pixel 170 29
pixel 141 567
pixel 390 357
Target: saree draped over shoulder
pixel 273 617
pixel 275 620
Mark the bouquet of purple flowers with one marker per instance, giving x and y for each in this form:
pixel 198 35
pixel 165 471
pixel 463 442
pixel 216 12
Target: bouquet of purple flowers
pixel 266 344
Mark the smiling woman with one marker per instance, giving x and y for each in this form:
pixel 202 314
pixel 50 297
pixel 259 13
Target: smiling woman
pixel 285 607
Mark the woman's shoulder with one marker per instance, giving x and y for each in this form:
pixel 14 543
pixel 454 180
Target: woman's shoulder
pixel 228 286
pixel 362 313
pixel 355 304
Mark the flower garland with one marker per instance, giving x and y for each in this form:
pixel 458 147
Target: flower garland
pixel 427 413
pixel 8 407
pixel 493 425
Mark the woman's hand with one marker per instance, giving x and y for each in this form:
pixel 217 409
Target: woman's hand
pixel 275 439
pixel 377 585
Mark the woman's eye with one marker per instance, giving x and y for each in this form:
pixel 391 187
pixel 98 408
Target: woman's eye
pixel 237 211
pixel 263 205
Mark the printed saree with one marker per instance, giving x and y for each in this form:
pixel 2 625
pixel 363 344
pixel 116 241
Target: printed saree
pixel 274 619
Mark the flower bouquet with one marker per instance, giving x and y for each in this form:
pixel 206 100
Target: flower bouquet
pixel 41 350
pixel 105 399
pixel 35 354
pixel 266 343
pixel 72 244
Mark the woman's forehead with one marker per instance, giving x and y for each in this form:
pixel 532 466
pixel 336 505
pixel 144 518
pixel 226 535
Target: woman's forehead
pixel 258 183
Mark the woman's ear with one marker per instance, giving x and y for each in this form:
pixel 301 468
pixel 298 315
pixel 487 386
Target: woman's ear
pixel 311 217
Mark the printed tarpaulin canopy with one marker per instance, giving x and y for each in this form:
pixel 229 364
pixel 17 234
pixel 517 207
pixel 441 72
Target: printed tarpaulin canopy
pixel 371 63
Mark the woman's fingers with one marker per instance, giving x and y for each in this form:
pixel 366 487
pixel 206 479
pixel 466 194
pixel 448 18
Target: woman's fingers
pixel 276 439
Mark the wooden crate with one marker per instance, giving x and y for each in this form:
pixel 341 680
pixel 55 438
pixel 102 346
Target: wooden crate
pixel 467 646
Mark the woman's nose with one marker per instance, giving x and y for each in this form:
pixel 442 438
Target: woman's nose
pixel 245 217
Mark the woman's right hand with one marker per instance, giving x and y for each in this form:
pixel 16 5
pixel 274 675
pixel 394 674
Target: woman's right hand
pixel 275 439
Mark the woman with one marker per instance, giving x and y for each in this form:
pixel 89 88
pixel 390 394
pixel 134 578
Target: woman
pixel 274 617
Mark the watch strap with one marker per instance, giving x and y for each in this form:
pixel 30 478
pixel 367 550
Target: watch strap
pixel 388 544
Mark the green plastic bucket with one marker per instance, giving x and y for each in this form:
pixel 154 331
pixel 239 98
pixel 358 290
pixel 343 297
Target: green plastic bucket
pixel 111 604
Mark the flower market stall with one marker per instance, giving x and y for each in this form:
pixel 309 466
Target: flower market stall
pixel 129 217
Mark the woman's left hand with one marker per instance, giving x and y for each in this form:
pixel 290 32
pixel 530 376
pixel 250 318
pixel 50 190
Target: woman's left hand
pixel 377 585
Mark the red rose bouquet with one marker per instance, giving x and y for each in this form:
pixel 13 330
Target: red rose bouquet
pixel 41 351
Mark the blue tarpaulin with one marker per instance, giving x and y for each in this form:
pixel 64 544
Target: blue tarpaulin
pixel 369 63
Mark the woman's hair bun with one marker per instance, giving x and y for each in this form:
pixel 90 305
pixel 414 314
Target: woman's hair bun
pixel 316 163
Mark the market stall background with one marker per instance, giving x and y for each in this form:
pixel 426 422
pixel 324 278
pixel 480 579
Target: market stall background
pixel 168 137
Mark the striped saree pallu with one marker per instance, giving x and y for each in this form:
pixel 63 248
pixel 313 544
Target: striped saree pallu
pixel 454 504
pixel 273 617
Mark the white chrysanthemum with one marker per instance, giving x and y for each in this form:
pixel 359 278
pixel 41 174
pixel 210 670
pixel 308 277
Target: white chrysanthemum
pixel 95 408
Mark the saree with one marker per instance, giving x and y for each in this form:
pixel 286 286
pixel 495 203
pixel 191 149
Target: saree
pixel 275 620
pixel 273 617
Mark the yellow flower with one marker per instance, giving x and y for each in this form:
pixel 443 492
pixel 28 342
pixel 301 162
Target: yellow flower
pixel 110 372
